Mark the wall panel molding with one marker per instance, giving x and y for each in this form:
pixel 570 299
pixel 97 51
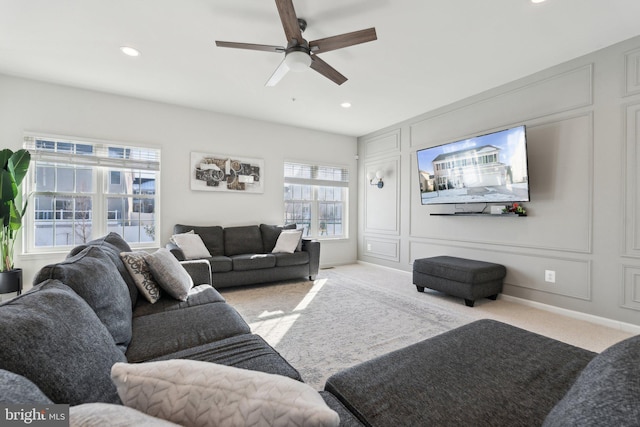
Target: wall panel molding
pixel 384 203
pixel 384 144
pixel 550 156
pixel 376 247
pixel 632 72
pixel 630 292
pixel 562 92
pixel 631 222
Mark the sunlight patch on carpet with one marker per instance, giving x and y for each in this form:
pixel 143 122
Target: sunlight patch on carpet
pixel 317 285
pixel 273 330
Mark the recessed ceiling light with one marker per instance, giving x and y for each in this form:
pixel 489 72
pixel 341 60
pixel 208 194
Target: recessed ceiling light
pixel 129 51
pixel 346 105
pixel 537 1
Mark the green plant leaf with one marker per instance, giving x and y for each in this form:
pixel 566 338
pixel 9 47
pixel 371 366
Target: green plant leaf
pixel 18 165
pixel 4 157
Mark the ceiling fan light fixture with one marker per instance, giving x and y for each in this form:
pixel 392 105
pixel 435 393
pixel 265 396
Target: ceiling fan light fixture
pixel 298 60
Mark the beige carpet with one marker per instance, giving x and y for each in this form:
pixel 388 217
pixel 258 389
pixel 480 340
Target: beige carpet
pixel 353 313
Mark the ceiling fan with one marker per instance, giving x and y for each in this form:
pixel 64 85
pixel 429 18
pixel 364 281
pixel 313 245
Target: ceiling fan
pixel 300 54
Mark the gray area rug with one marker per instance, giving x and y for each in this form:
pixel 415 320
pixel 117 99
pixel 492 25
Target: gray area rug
pixel 337 321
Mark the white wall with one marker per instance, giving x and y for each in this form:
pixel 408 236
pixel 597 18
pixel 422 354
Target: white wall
pixel 583 127
pixel 27 105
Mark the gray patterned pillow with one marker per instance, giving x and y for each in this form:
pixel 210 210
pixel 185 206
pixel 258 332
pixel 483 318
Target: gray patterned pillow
pixel 194 393
pixel 170 275
pixel 142 276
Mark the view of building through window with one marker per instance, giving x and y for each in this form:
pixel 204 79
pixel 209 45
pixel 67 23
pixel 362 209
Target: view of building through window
pixel 80 191
pixel 315 198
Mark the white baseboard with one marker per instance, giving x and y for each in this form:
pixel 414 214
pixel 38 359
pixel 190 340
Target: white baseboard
pixel 602 321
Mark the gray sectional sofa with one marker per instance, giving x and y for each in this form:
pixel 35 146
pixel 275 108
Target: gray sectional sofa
pixel 85 316
pixel 243 255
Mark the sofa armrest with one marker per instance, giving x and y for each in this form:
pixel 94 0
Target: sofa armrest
pixel 313 247
pixel 176 251
pixel 199 270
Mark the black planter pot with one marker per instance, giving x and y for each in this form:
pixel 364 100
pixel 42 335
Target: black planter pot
pixel 11 281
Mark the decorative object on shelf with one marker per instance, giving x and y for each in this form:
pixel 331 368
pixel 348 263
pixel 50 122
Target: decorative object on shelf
pixel 216 172
pixel 14 169
pixel 377 179
pixel 516 208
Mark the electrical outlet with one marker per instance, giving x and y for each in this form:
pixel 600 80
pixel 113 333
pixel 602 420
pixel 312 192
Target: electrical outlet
pixel 550 276
pixel 369 246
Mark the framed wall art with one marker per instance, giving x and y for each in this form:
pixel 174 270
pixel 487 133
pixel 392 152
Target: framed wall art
pixel 218 172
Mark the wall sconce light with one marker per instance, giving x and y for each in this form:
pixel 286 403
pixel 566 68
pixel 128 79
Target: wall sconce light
pixel 377 180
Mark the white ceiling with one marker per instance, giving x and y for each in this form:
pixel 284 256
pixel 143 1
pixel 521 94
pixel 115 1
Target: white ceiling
pixel 428 53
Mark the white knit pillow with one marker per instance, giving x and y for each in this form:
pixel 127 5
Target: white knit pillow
pixel 194 393
pixel 288 241
pixel 191 245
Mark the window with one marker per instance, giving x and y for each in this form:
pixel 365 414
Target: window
pixel 82 190
pixel 315 198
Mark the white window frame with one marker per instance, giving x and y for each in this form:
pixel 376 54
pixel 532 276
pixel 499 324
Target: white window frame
pixel 102 165
pixel 315 182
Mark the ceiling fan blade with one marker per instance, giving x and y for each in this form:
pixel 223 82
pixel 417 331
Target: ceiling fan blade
pixel 327 70
pixel 343 40
pixel 278 74
pixel 251 46
pixel 289 20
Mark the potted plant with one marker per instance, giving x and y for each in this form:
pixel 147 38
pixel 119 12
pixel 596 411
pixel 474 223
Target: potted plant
pixel 14 169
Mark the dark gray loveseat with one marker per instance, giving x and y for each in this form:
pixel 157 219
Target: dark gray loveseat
pixel 243 255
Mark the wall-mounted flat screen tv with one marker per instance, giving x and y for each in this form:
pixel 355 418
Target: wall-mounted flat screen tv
pixel 489 168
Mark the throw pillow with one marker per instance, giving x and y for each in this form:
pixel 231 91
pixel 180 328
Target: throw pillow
pixel 92 274
pixel 288 241
pixel 195 393
pixel 139 270
pixel 169 274
pixel 52 337
pixel 18 390
pixel 105 414
pixel 607 391
pixel 191 245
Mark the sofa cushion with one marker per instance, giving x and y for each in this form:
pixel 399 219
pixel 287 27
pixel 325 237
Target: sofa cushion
pixel 212 236
pixel 253 261
pixel 169 274
pixel 93 276
pixel 191 245
pixel 220 264
pixel 246 351
pixel 483 373
pixel 112 244
pixel 105 414
pixel 18 390
pixel 198 295
pixel 52 337
pixel 142 276
pixel 171 331
pixel 270 234
pixel 193 393
pixel 607 393
pixel 296 258
pixel 288 241
pixel 243 240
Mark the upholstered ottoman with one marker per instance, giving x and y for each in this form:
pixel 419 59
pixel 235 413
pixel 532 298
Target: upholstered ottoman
pixel 460 277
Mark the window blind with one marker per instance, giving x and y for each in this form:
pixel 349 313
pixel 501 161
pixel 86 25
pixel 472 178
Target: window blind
pixel 56 150
pixel 307 174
